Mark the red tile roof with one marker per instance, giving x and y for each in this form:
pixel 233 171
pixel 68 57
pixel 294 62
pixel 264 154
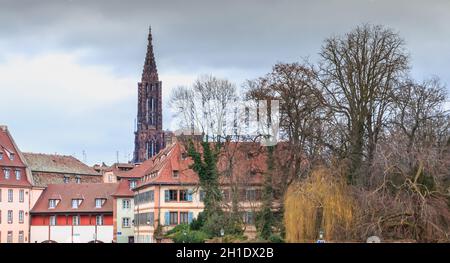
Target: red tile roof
pixel 248 162
pixel 123 190
pixel 167 167
pixel 8 147
pixel 66 192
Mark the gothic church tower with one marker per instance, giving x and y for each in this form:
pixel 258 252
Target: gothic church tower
pixel 149 136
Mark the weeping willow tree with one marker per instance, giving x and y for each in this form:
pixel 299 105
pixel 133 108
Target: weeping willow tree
pixel 319 203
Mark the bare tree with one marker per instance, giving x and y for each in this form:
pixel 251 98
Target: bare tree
pixel 203 107
pixel 358 73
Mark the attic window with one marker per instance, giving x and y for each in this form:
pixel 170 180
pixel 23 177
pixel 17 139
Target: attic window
pixel 132 184
pixel 7 172
pixel 11 156
pixel 51 203
pixel 1 156
pixel 76 203
pixel 176 174
pixel 99 202
pixel 183 155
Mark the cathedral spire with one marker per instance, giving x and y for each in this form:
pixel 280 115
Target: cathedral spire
pixel 150 73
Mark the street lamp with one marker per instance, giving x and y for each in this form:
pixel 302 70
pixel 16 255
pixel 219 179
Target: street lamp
pixel 222 233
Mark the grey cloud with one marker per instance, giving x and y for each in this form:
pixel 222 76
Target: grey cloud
pixel 211 36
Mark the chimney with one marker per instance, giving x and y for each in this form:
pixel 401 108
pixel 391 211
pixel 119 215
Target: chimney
pixel 3 128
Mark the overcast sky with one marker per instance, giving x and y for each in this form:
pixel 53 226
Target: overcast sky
pixel 69 69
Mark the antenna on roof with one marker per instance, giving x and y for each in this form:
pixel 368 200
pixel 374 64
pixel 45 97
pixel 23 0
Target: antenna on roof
pixel 84 156
pixel 117 156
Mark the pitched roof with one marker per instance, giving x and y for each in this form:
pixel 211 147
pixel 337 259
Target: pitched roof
pixel 66 192
pixel 53 163
pixel 248 160
pixel 7 149
pixel 123 190
pixel 161 168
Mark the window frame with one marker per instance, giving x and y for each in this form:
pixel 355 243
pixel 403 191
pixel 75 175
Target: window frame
pixel 50 202
pixel 21 216
pixel 10 217
pixel 10 195
pixel 128 220
pixel 173 222
pixel 21 196
pixel 184 215
pixel 7 173
pixel 77 221
pixel 52 220
pixel 97 221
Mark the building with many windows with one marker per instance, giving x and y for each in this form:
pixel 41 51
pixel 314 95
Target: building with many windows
pixel 74 213
pixel 124 209
pixel 15 191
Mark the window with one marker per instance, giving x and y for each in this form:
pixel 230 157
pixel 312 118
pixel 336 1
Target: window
pixel 78 180
pixel 22 196
pixel 0 195
pixel 126 222
pixel 51 203
pixel 10 216
pixel 75 203
pixel 175 174
pixel 98 202
pixel 52 221
pixel 10 195
pixel 173 218
pixel 110 178
pixel 66 179
pixel 249 218
pixel 0 220
pixel 18 175
pixel 145 197
pixel 143 219
pixel 132 184
pixel 75 220
pixel 202 195
pixel 21 239
pixel 126 204
pixel 183 195
pixel 6 171
pixel 184 217
pixel 1 156
pixel 226 194
pixel 99 220
pixel 171 195
pixel 10 237
pixel 11 156
pixel 252 194
pixel 21 214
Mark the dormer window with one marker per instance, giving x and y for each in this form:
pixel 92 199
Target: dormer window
pixel 6 171
pixel 11 156
pixel 99 202
pixel 18 175
pixel 133 184
pixel 1 156
pixel 175 174
pixel 51 203
pixel 76 203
